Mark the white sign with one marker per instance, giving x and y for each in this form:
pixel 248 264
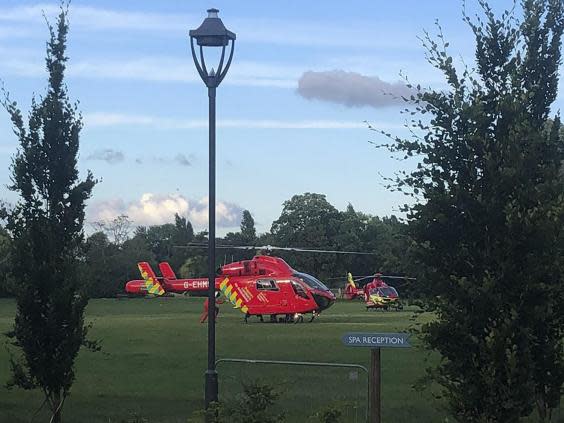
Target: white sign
pixel 376 340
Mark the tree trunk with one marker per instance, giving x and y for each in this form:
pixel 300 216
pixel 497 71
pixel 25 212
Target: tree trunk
pixel 542 410
pixel 56 408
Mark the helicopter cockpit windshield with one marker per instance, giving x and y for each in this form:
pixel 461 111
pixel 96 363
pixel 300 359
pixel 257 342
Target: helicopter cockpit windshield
pixel 311 281
pixel 385 292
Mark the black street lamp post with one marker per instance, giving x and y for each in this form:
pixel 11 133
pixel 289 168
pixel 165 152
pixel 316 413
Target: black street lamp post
pixel 211 33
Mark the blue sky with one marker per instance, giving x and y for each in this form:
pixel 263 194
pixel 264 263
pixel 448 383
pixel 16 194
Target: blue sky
pixel 145 108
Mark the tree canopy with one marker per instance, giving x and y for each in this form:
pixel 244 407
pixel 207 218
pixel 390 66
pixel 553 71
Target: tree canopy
pixel 488 223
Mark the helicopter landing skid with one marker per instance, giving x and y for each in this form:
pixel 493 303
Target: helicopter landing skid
pixel 288 318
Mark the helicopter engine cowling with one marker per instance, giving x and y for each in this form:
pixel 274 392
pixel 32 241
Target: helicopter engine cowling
pixel 239 268
pixel 259 265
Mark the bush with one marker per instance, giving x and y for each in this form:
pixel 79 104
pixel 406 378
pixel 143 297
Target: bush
pixel 252 406
pixel 330 414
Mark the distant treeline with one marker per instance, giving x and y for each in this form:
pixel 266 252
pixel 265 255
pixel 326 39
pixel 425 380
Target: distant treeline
pixel 307 221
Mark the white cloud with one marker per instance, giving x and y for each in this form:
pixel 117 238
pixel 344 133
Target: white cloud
pixel 352 89
pixel 101 119
pixel 156 209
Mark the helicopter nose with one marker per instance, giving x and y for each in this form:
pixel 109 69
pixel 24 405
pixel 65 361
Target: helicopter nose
pixel 324 300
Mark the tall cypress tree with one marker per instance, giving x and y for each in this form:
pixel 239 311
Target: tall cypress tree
pixel 490 223
pixel 248 231
pixel 47 229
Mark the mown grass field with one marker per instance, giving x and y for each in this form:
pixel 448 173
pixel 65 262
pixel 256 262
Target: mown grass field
pixel 154 356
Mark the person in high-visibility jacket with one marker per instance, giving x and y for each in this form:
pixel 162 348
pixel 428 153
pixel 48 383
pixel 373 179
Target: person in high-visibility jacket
pixel 204 315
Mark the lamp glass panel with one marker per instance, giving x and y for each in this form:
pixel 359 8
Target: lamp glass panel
pixel 212 56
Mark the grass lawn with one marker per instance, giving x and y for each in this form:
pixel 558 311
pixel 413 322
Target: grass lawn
pixel 155 351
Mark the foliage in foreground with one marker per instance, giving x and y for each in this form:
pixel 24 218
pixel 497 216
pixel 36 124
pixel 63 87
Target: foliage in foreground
pixel 252 406
pixel 46 228
pixel 329 415
pixel 489 226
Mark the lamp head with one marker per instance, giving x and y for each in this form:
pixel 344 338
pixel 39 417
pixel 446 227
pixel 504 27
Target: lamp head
pixel 212 32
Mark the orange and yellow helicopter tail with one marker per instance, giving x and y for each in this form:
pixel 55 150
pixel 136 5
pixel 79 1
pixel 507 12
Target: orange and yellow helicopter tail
pixel 350 280
pixel 151 282
pixel 235 297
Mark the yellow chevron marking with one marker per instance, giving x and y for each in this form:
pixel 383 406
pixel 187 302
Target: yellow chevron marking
pixel 153 287
pixel 233 295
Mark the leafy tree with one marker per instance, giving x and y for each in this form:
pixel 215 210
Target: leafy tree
pixel 348 238
pixel 108 266
pixel 6 287
pixel 247 236
pixel 183 234
pixel 184 231
pixel 97 269
pixel 489 226
pixel 194 267
pixel 161 240
pixel 388 239
pixel 47 229
pixel 248 231
pixel 165 240
pixel 308 220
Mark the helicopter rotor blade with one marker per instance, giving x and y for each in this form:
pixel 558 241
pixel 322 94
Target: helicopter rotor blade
pixel 384 276
pixel 360 278
pixel 312 250
pixel 205 245
pixel 398 277
pixel 271 248
pixel 355 278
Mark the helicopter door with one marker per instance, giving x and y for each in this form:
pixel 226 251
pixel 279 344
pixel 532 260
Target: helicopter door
pixel 270 292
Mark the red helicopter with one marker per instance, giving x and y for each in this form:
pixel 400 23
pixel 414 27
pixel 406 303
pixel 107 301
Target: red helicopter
pixel 377 294
pixel 264 285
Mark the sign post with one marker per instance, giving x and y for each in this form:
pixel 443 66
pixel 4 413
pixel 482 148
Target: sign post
pixel 375 381
pixel 375 341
